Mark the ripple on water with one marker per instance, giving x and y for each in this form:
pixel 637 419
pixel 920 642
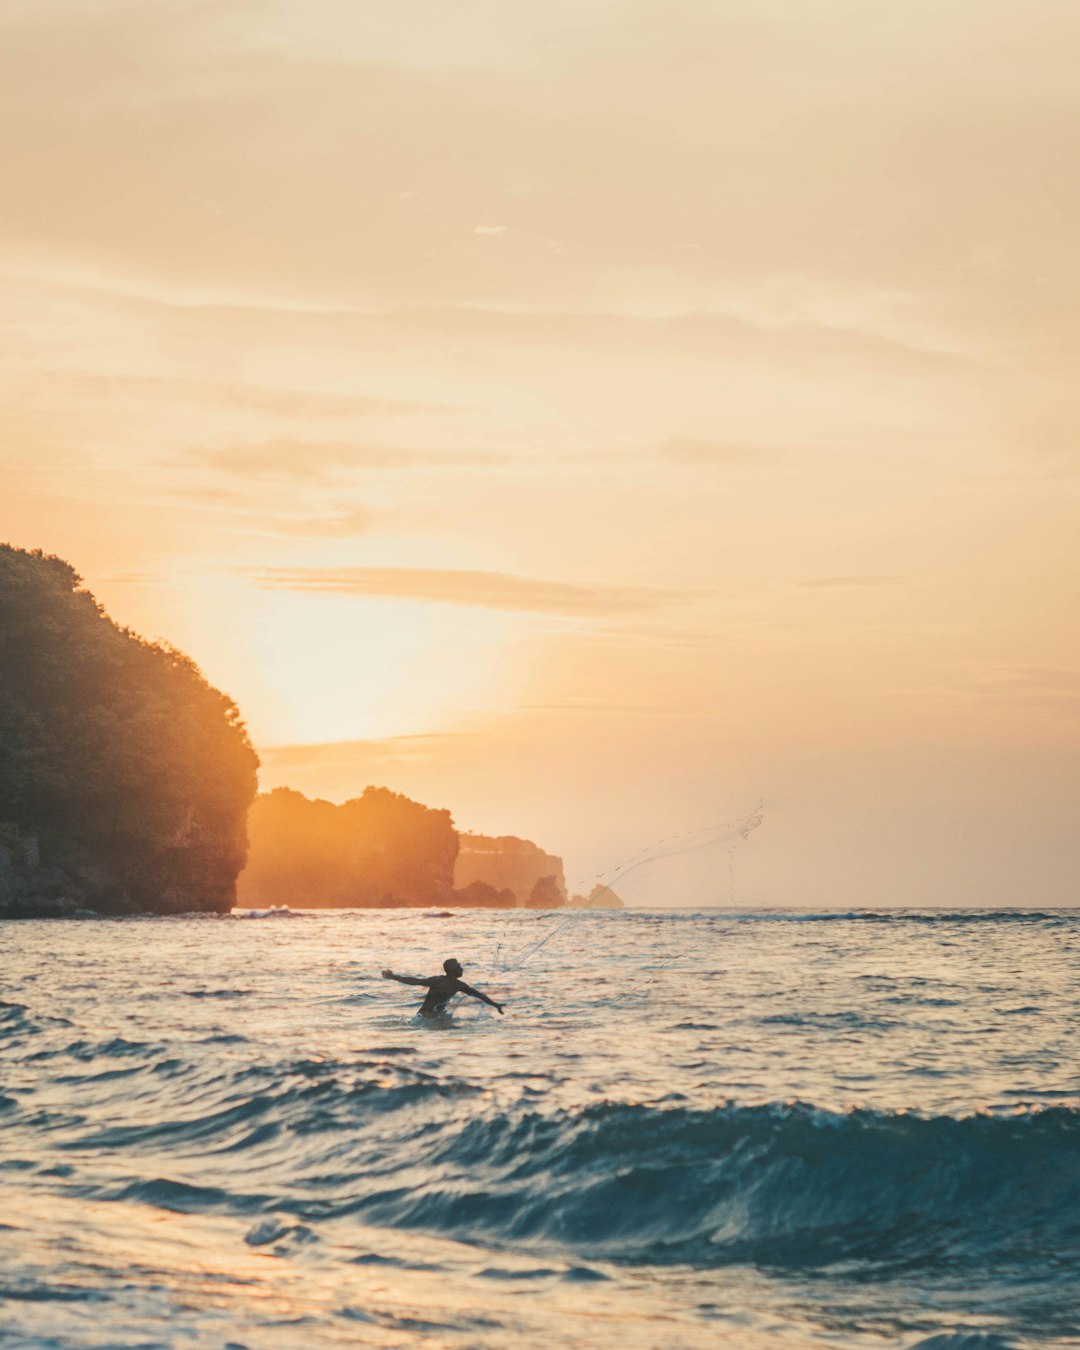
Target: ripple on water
pixel 263 1087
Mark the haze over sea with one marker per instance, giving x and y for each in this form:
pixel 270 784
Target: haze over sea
pixel 716 1128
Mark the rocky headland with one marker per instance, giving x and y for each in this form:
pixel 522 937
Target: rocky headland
pixel 128 786
pixel 125 778
pixel 518 871
pixel 382 850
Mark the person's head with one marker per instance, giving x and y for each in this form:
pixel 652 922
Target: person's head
pixel 452 968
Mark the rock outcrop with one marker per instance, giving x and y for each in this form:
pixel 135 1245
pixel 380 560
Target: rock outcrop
pixel 479 895
pixel 506 863
pixel 600 897
pixel 27 889
pixel 546 894
pixel 382 850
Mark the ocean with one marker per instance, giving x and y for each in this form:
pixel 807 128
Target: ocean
pixel 723 1128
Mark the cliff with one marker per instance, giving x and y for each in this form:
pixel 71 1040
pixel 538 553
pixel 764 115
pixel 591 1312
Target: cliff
pixel 383 850
pixel 506 863
pixel 600 897
pixel 125 777
pixel 379 849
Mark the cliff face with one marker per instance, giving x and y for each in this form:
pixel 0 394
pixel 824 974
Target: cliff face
pixel 125 777
pixel 506 863
pixel 600 897
pixel 383 850
pixel 479 895
pixel 184 875
pixel 380 849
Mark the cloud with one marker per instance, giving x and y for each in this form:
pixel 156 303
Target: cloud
pixel 651 637
pixel 345 523
pixel 828 583
pixel 601 708
pixel 283 402
pixel 742 332
pixel 344 767
pixel 185 101
pixel 719 454
pixel 313 460
pixel 1035 686
pixel 731 327
pixel 483 590
pixel 132 578
pixel 255 513
pixel 342 751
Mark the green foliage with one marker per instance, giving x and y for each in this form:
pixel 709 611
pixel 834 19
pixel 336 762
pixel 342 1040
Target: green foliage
pixel 107 742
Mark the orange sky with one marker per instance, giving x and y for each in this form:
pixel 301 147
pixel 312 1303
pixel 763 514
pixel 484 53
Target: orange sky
pixel 593 417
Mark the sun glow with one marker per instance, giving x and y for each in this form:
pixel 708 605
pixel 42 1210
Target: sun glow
pixel 325 668
pixel 426 379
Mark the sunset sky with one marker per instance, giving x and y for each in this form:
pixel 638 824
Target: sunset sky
pixel 593 416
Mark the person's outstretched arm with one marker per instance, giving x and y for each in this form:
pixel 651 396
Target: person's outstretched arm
pixel 464 988
pixel 406 979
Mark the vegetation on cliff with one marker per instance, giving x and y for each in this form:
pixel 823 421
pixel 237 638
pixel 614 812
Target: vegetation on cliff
pixel 126 781
pixel 379 849
pixel 130 770
pixel 383 849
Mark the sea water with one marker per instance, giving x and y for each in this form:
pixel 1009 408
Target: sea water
pixel 690 1129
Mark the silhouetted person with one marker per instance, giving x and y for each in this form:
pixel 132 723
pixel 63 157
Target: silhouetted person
pixel 442 988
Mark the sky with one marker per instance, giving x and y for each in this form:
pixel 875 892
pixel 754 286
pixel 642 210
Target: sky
pixel 596 418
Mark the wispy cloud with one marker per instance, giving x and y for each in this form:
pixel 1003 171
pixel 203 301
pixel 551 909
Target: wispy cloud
pixel 255 513
pixel 309 460
pixel 484 590
pixel 837 583
pixel 598 707
pixel 345 523
pixel 1038 686
pixel 350 764
pixel 719 454
pixel 275 401
pixel 343 750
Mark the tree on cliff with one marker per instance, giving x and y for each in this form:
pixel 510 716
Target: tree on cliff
pixel 379 848
pixel 132 770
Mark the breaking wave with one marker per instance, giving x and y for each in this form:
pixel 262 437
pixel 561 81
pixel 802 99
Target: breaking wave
pixel 781 1185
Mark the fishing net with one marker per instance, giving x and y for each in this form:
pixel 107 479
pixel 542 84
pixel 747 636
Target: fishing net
pixel 714 847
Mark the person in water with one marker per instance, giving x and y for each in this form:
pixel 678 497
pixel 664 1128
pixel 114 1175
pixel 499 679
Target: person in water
pixel 442 988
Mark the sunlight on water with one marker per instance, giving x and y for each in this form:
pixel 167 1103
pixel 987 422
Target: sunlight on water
pixel 689 1129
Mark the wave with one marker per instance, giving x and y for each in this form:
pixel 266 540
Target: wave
pixel 892 914
pixel 786 1186
pixel 935 917
pixel 775 1186
pixel 274 912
